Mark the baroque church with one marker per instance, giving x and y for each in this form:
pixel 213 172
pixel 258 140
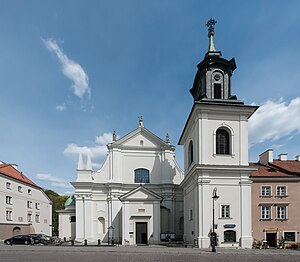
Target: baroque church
pixel 141 196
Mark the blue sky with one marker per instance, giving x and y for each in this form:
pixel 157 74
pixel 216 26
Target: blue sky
pixel 74 71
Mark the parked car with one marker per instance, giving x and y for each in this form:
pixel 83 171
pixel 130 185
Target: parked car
pixel 19 239
pixel 41 239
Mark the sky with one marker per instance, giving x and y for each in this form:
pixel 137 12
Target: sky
pixel 72 72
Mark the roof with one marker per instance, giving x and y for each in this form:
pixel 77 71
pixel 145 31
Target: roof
pixel 10 171
pixel 278 168
pixel 292 166
pixel 70 201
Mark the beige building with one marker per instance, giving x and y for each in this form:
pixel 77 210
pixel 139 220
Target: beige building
pixel 275 200
pixel 24 206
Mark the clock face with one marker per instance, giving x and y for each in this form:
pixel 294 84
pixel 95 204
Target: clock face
pixel 217 77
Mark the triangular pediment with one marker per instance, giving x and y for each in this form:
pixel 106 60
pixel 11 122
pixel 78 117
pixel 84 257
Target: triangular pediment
pixel 140 137
pixel 140 194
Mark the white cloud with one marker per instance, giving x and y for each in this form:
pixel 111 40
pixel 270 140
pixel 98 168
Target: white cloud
pixel 94 152
pixel 70 69
pixel 274 120
pixel 54 181
pixel 104 139
pixel 61 107
pixel 98 152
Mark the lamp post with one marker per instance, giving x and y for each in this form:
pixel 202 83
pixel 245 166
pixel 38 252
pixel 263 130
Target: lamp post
pixel 213 236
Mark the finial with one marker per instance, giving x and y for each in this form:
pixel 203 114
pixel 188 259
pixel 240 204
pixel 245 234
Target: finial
pixel 89 163
pixel 114 136
pixel 168 139
pixel 80 162
pixel 211 31
pixel 141 122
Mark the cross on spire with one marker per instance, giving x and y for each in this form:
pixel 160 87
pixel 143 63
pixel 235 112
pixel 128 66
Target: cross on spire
pixel 211 26
pixel 211 31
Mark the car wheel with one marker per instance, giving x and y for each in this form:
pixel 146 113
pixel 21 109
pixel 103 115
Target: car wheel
pixel 8 242
pixel 26 242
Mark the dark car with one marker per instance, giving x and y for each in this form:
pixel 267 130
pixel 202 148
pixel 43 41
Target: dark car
pixel 19 239
pixel 41 239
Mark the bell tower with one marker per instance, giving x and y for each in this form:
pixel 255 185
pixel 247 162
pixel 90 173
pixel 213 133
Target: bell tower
pixel 215 139
pixel 213 77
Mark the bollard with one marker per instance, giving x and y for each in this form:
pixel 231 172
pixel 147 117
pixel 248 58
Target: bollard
pixel 99 242
pixel 65 239
pixel 85 242
pixel 72 242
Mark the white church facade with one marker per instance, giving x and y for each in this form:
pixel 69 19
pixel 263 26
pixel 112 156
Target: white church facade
pixel 135 196
pixel 140 195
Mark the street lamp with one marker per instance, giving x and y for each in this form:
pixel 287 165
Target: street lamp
pixel 213 235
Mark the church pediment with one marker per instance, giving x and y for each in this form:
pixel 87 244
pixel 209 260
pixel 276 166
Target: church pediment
pixel 139 138
pixel 140 194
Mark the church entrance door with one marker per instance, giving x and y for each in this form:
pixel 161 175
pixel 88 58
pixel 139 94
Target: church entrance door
pixel 141 233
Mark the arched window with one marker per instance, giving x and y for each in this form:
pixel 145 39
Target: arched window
pixel 229 236
pixel 190 153
pixel 222 142
pixel 141 175
pixel 16 231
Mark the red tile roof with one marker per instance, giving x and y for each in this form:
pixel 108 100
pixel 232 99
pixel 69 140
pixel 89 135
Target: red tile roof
pixel 10 171
pixel 292 166
pixel 267 171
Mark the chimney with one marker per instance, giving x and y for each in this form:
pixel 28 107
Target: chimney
pixel 298 158
pixel 266 157
pixel 282 157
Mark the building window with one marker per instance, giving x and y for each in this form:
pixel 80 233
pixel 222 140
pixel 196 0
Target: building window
pixel 8 185
pixel 141 175
pixel 29 204
pixel 29 217
pixel 266 212
pixel 289 236
pixel 8 215
pixel 222 142
pixel 281 191
pixel 266 191
pixel 29 191
pixel 9 200
pixel 20 189
pixel 225 211
pixel 37 205
pixel 281 213
pixel 37 218
pixel 229 236
pixel 191 214
pixel 190 153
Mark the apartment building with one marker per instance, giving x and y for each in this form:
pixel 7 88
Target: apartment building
pixel 275 199
pixel 24 206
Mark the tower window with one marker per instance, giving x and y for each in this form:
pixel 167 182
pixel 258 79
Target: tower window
pixel 217 91
pixel 190 153
pixel 222 142
pixel 141 175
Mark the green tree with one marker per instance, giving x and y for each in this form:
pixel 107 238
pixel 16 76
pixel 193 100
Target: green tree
pixel 58 202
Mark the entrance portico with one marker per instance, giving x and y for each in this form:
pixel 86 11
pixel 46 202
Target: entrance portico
pixel 140 216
